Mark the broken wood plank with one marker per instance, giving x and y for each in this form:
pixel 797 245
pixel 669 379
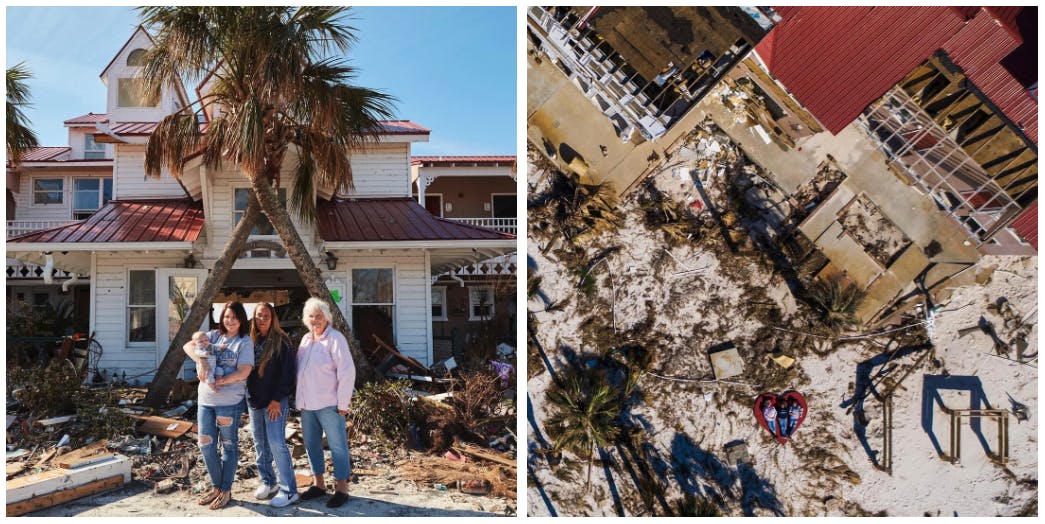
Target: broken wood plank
pixel 486 456
pixel 15 468
pixel 55 420
pixel 91 454
pixel 421 378
pixel 46 457
pixel 164 427
pixel 409 362
pixel 30 486
pixel 62 496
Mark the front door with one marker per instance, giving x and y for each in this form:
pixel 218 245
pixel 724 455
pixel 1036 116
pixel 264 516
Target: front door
pixel 176 290
pixel 434 204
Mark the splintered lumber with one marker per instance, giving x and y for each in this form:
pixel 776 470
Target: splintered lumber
pixel 51 481
pixel 391 354
pixel 164 427
pixel 62 496
pixel 14 468
pixel 55 420
pixel 85 456
pixel 485 456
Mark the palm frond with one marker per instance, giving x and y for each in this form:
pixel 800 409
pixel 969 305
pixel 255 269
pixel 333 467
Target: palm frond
pixel 20 137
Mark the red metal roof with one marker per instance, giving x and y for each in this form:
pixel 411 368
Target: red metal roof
pixel 45 153
pixel 403 127
pixel 1026 224
pixel 89 118
pixel 475 159
pixel 837 60
pixel 129 221
pixel 378 219
pixel 134 128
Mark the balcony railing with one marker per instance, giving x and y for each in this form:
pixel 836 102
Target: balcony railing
pixel 21 227
pixel 504 225
pixel 502 265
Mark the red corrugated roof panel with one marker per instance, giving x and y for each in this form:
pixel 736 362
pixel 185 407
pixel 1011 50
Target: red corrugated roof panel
pixel 89 118
pixel 1026 225
pixel 474 159
pixel 129 221
pixel 381 219
pixel 837 60
pixel 45 153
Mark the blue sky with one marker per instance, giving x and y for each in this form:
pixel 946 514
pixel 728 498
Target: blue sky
pixel 452 69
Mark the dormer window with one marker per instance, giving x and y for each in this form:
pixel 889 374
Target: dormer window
pixel 92 150
pixel 136 58
pixel 131 94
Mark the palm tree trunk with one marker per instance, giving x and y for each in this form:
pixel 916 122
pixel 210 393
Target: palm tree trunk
pixel 279 217
pixel 163 381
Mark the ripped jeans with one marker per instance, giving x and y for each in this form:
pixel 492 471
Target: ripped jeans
pixel 220 425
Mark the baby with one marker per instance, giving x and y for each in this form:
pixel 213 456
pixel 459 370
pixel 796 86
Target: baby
pixel 205 350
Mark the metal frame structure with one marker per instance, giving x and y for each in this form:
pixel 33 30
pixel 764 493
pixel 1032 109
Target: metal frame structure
pixel 1001 416
pixel 943 170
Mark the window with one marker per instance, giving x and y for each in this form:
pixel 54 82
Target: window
pixel 41 300
pixel 131 94
pixel 439 303
pixel 136 57
pixel 141 306
pixel 263 227
pixel 373 305
pixel 48 190
pixel 480 303
pixel 504 206
pixel 92 150
pixel 90 194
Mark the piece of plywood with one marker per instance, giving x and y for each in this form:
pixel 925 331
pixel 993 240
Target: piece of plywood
pixel 164 427
pixel 727 363
pixel 29 486
pixel 59 497
pixel 84 456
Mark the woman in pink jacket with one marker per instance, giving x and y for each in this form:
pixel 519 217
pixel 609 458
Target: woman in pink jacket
pixel 326 377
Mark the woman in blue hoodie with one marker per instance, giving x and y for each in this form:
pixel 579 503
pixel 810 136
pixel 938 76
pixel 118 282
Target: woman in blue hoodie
pixel 268 391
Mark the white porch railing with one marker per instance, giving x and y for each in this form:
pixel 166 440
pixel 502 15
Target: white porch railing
pixel 502 265
pixel 18 270
pixel 504 225
pixel 21 227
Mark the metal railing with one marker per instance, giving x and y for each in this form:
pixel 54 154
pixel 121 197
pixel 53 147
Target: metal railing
pixel 504 225
pixel 20 227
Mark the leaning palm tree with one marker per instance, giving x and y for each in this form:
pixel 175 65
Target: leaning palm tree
pixel 266 72
pixel 584 411
pixel 20 138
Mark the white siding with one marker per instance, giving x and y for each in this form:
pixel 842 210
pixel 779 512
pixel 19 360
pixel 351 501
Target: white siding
pixel 110 310
pixel 219 223
pixel 412 314
pixel 26 210
pixel 131 182
pixel 382 170
pixel 119 69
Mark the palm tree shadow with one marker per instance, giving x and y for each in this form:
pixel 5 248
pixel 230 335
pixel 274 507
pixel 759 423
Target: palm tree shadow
pixel 701 473
pixel 607 470
pixel 544 495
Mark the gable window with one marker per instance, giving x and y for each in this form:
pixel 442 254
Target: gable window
pixel 48 190
pixel 136 57
pixel 439 303
pixel 373 305
pixel 504 206
pixel 480 303
pixel 239 208
pixel 89 195
pixel 141 306
pixel 131 94
pixel 92 150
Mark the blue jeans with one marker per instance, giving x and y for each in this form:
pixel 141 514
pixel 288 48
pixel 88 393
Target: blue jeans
pixel 222 470
pixel 270 443
pixel 789 426
pixel 772 426
pixel 316 422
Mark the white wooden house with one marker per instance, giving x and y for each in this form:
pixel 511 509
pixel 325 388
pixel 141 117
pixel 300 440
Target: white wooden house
pixel 146 250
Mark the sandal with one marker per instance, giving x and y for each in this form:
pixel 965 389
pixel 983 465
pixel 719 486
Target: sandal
pixel 208 497
pixel 337 499
pixel 313 492
pixel 222 500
